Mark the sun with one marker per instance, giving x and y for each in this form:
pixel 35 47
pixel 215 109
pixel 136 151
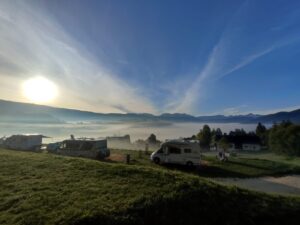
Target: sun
pixel 39 90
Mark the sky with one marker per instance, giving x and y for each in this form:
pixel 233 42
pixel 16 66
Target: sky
pixel 160 56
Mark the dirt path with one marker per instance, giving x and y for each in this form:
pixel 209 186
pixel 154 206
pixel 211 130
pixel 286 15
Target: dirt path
pixel 281 185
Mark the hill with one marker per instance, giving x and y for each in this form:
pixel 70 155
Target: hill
pixel 32 113
pixel 40 188
pixel 293 116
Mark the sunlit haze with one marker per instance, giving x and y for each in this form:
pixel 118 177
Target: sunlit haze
pixel 39 90
pixel 202 57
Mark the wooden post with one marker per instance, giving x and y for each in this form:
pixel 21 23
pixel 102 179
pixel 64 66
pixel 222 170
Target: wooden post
pixel 146 148
pixel 127 158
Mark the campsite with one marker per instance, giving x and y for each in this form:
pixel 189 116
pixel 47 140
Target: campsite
pixel 158 112
pixel 75 190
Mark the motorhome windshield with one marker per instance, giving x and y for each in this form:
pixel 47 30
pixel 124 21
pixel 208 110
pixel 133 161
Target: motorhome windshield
pixel 160 150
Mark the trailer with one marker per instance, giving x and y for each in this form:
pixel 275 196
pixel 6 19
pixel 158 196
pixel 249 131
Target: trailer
pixel 31 142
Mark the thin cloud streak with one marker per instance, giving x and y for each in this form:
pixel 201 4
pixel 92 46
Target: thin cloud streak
pixel 32 43
pixel 225 60
pixel 213 72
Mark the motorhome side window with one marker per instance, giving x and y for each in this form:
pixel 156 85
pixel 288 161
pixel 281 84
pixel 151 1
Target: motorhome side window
pixel 72 145
pixel 174 150
pixel 87 146
pixel 187 150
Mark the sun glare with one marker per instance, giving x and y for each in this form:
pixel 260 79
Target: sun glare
pixel 39 90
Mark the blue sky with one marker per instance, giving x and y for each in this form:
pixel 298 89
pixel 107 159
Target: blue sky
pixel 198 57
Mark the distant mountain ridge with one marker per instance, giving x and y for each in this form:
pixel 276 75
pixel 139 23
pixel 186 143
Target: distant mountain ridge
pixel 32 113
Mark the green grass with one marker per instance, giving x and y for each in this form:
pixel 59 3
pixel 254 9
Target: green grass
pixel 244 165
pixel 42 189
pixel 248 166
pixel 273 157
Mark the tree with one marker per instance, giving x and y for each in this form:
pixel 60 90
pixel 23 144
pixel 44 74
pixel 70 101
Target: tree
pixel 216 135
pixel 205 136
pixel 219 132
pixel 260 129
pixel 238 132
pixel 193 137
pixel 224 143
pixel 262 132
pixel 292 137
pixel 152 139
pixel 285 138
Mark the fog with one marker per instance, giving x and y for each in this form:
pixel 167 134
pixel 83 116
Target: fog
pixel 136 130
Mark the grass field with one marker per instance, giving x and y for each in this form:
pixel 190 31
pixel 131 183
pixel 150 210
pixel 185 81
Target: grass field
pixel 41 188
pixel 244 165
pixel 273 157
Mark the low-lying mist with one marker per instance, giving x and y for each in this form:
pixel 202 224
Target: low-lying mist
pixel 136 130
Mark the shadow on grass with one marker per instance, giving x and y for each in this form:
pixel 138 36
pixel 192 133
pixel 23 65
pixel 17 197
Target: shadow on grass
pixel 205 171
pixel 273 168
pixel 214 171
pixel 251 165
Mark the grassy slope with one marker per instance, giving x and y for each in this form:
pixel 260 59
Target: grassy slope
pixel 38 188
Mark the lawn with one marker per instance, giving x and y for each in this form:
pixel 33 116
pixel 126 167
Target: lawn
pixel 243 165
pixel 273 157
pixel 42 189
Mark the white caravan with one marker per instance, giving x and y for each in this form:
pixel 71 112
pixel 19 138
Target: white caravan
pixel 178 152
pixel 23 142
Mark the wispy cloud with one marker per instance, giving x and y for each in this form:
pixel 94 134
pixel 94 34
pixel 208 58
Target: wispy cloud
pixel 32 43
pixel 231 53
pixel 236 110
pixel 216 67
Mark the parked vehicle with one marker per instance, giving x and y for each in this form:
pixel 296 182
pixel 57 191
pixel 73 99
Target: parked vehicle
pixel 29 142
pixel 53 147
pixel 89 148
pixel 178 152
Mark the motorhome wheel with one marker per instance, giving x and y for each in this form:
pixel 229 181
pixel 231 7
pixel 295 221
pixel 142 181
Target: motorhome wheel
pixel 156 160
pixel 189 164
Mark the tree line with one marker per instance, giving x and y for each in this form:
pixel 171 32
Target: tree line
pixel 282 138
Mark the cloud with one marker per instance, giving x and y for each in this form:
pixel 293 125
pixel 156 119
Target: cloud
pixel 237 110
pixel 229 54
pixel 32 43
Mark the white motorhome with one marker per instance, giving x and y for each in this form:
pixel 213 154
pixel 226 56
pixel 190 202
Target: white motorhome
pixel 178 152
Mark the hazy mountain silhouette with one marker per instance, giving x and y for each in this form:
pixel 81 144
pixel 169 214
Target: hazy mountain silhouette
pixel 32 113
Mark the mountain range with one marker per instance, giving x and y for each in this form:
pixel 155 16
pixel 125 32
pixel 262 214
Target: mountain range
pixel 31 113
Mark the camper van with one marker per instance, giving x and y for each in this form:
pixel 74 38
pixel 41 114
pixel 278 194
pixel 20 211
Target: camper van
pixel 89 148
pixel 178 152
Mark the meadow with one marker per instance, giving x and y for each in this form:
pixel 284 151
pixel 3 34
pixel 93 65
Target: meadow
pixel 243 165
pixel 42 188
